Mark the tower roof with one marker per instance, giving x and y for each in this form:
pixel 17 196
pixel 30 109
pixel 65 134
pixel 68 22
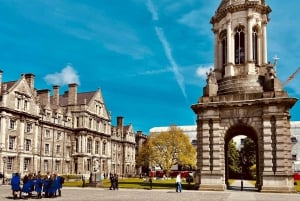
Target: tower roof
pixel 228 3
pixel 229 6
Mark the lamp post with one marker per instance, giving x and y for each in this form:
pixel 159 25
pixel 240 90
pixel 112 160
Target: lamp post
pixel 4 162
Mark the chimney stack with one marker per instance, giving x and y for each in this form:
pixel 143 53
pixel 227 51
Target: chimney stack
pixel 56 95
pixel 120 122
pixel 72 96
pixel 30 79
pixel 44 96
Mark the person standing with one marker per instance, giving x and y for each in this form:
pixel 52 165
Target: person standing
pixel 15 185
pixel 150 183
pixel 178 183
pixel 83 180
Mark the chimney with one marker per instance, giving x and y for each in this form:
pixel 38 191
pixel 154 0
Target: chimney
pixel 120 122
pixel 44 96
pixel 1 73
pixel 30 79
pixel 56 95
pixel 72 99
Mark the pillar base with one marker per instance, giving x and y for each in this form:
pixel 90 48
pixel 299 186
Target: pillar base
pixel 278 184
pixel 278 189
pixel 212 187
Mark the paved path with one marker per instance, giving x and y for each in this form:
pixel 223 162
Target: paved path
pixel 96 194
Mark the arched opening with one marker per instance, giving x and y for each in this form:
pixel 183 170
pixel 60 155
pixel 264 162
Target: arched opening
pixel 223 39
pixel 241 158
pixel 239 45
pixel 255 44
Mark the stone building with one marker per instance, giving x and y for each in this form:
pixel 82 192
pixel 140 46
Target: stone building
pixel 68 134
pixel 243 96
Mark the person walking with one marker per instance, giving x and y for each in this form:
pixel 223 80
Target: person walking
pixel 178 183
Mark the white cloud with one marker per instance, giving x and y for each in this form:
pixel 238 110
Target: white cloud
pixel 152 10
pixel 68 75
pixel 202 70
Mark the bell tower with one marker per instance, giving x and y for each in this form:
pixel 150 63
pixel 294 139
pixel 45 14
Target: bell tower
pixel 243 96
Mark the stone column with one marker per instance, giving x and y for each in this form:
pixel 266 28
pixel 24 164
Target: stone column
pixel 264 43
pixel 229 71
pixel 3 129
pixel 21 131
pixel 36 147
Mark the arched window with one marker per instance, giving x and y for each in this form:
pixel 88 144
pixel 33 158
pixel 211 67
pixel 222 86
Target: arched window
pixel 223 38
pixel 254 44
pixel 239 45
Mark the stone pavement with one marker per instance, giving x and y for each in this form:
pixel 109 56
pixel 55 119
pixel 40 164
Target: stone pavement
pixel 99 194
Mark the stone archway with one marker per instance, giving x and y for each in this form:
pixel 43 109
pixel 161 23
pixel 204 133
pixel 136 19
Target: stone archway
pixel 236 130
pixel 243 91
pixel 266 118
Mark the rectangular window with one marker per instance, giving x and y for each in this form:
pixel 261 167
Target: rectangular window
pixel 46 165
pixel 89 146
pixel 10 163
pixel 58 135
pixel 47 133
pixel 26 164
pixel 27 145
pixel 103 148
pixel 47 151
pixel 12 124
pixel 88 164
pixel 97 147
pixel 18 103
pixel 28 127
pixel 11 145
pixel 25 105
pixel 57 149
pixel 57 166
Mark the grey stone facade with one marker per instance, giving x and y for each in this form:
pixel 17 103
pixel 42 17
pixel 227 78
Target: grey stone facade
pixel 67 134
pixel 243 97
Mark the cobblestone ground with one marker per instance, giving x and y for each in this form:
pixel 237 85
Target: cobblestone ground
pixel 93 194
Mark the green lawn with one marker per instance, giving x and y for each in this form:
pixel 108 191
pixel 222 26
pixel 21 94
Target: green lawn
pixel 156 184
pixel 297 185
pixel 136 183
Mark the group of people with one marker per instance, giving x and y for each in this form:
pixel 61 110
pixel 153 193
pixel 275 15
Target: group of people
pixel 48 186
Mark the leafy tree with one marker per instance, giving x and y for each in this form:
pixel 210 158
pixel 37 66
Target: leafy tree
pixel 233 158
pixel 166 149
pixel 249 158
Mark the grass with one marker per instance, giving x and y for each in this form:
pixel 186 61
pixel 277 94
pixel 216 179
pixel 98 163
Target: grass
pixel 136 183
pixel 297 185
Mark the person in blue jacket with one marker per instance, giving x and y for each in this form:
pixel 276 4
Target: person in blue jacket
pixel 38 185
pixel 27 185
pixel 15 185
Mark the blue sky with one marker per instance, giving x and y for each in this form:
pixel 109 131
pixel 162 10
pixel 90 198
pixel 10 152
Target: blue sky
pixel 148 57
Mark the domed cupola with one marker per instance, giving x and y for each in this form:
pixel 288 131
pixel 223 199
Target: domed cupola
pixel 241 65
